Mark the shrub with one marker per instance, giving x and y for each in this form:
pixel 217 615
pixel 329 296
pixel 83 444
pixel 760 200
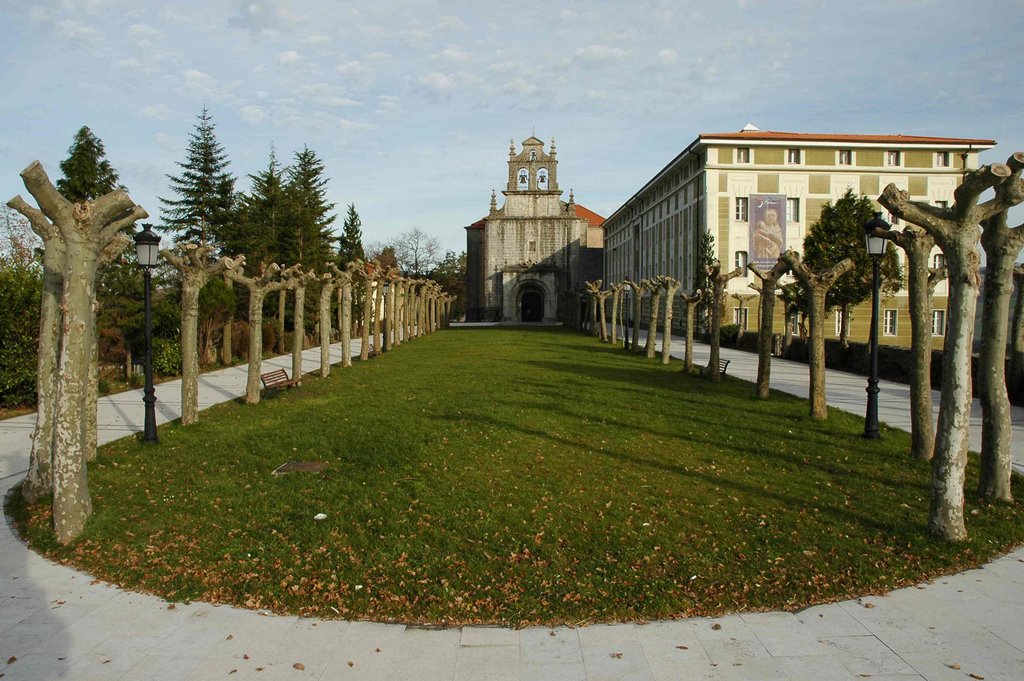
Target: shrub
pixel 20 286
pixel 729 333
pixel 269 337
pixel 166 357
pixel 240 339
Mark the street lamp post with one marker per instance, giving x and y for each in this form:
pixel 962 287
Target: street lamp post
pixel 875 245
pixel 147 248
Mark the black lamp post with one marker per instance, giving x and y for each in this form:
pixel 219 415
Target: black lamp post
pixel 384 317
pixel 876 249
pixel 147 248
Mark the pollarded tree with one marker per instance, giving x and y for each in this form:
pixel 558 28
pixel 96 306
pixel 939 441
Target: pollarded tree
pixel 956 230
pixel 792 301
pixel 921 283
pixel 718 281
pixel 637 296
pixel 195 266
pixel 670 286
pixel 1002 245
pixel 91 233
pixel 602 303
pixel 345 310
pixel 691 301
pixel 650 349
pixel 87 172
pixel 204 209
pixel 706 258
pixel 744 311
pixel 816 286
pixel 270 278
pixel 329 282
pixel 616 290
pixel 365 274
pixel 593 288
pixel 297 283
pixel 769 281
pixel 837 234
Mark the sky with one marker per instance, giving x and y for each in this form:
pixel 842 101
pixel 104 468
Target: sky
pixel 411 105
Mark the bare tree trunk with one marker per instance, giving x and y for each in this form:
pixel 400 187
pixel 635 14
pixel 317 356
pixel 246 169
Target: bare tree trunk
pixel 602 299
pixel 1002 246
pixel 766 323
pixel 90 233
pixel 226 350
pixel 593 314
pixel 345 324
pixel 691 301
pixel 282 296
pixel 955 230
pixel 844 325
pixel 719 281
pixel 328 282
pixel 650 349
pixel 364 346
pixel 378 307
pixel 39 480
pixel 189 351
pixel 298 326
pixel 1016 378
pixel 816 285
pixel 616 292
pixel 671 286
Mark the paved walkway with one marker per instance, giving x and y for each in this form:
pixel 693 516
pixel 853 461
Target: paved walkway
pixel 57 623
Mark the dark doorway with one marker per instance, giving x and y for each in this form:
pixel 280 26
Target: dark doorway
pixel 532 307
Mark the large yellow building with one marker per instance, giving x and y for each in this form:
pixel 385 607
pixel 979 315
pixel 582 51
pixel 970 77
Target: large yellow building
pixel 758 192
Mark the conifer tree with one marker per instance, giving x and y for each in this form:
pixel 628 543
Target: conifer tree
pixel 87 172
pixel 350 243
pixel 307 238
pixel 263 213
pixel 203 211
pixel 838 234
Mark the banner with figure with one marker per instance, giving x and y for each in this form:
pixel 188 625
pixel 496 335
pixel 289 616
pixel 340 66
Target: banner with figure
pixel 767 229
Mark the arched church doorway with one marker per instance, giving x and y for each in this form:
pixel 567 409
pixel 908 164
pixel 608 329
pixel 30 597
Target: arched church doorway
pixel 531 306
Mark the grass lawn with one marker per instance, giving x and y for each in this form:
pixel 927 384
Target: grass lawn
pixel 517 476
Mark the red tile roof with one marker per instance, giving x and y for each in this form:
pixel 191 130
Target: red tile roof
pixel 582 211
pixel 768 135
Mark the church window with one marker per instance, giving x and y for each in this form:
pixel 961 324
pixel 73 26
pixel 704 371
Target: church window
pixel 533 155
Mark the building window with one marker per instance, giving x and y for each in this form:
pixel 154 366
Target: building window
pixel 938 261
pixel 839 322
pixel 942 204
pixel 741 260
pixel 893 220
pixel 743 155
pixel 845 157
pixel 742 206
pixel 794 323
pixel 793 156
pixel 739 317
pixel 889 322
pixel 942 159
pixel 792 210
pixel 893 158
pixel 938 322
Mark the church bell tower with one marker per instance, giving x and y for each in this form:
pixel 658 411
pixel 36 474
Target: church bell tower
pixel 532 170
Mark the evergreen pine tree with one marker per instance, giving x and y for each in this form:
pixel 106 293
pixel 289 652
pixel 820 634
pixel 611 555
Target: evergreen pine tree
pixel 307 238
pixel 204 209
pixel 839 233
pixel 350 243
pixel 87 172
pixel 262 214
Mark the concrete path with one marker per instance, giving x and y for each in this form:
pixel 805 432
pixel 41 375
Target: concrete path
pixel 57 623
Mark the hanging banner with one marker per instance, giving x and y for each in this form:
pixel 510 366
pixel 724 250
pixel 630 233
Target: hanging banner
pixel 767 229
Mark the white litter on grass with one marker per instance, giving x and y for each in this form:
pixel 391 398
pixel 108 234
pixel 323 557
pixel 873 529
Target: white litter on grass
pixel 320 516
pixel 358 587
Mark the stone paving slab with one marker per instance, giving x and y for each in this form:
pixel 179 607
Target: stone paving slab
pixel 57 623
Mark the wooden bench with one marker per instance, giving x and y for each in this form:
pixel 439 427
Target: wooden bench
pixel 723 364
pixel 278 379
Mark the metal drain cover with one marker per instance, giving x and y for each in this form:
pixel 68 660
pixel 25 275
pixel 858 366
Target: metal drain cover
pixel 300 467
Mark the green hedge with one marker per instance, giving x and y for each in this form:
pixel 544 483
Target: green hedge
pixel 20 287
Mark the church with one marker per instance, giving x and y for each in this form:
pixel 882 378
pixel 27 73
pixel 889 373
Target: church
pixel 522 257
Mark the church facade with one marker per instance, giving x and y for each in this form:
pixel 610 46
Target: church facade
pixel 522 257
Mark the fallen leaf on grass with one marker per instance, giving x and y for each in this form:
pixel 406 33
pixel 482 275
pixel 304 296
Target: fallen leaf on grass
pixel 172 606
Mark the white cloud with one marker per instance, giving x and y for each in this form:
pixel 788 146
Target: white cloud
pixel 325 94
pixel 316 40
pixel 198 83
pixel 451 23
pixel 158 111
pixel 377 56
pixel 165 141
pixel 143 33
pixel 437 81
pixel 289 57
pixel 77 30
pixel 454 54
pixel 387 105
pixel 252 114
pixel 352 68
pixel 600 52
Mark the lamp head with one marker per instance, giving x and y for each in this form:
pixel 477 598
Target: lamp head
pixel 147 246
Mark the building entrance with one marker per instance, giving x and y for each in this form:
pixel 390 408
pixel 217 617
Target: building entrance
pixel 532 306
